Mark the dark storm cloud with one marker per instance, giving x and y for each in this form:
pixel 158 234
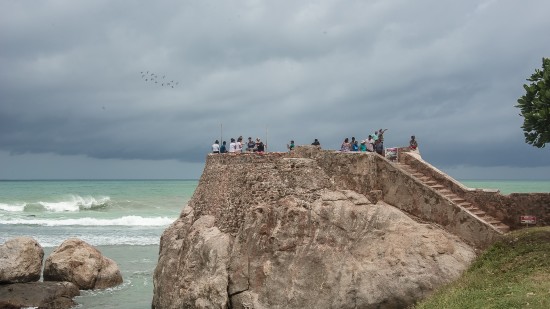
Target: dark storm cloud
pixel 448 72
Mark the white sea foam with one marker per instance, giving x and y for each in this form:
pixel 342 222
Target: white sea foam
pixel 76 203
pixel 13 207
pixel 98 240
pixel 123 221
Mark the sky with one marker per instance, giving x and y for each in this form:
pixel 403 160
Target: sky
pixel 96 89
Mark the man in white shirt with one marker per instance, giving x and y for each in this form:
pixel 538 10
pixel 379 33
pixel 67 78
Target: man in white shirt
pixel 239 144
pixel 216 147
pixel 232 146
pixel 370 144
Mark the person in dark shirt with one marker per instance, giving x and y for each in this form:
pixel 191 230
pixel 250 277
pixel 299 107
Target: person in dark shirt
pixel 223 148
pixel 316 143
pixel 250 145
pixel 260 147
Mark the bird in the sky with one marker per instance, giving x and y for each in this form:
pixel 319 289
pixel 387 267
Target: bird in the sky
pixel 152 77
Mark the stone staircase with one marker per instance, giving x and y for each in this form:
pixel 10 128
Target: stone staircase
pixel 454 198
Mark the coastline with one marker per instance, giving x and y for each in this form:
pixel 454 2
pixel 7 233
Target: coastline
pixel 137 262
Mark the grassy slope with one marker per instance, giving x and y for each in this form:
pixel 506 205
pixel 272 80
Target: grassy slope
pixel 513 273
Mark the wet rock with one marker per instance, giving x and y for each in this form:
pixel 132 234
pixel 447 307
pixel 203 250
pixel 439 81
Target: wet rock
pixel 47 295
pixel 193 263
pixel 20 260
pixel 80 263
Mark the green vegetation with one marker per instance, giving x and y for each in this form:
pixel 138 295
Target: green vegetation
pixel 535 107
pixel 513 273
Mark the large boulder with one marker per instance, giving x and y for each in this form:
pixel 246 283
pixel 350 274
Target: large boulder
pixel 339 251
pixel 80 263
pixel 47 295
pixel 20 260
pixel 193 263
pixel 292 232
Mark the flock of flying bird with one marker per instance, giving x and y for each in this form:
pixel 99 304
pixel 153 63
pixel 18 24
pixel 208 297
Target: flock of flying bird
pixel 158 80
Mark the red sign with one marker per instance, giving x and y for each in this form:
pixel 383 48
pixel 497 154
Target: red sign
pixel 528 219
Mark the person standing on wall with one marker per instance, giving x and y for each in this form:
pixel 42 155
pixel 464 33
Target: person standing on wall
pixel 370 144
pixel 260 146
pixel 413 144
pixel 250 145
pixel 290 146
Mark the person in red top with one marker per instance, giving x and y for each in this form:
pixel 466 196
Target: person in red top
pixel 412 143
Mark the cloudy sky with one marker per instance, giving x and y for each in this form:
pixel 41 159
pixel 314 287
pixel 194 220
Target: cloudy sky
pixel 74 102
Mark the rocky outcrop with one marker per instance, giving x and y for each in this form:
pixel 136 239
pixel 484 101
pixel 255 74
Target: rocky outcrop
pixel 78 262
pixel 20 260
pixel 277 232
pixel 339 252
pixel 194 258
pixel 47 295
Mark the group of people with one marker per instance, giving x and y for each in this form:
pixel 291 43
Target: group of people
pixel 238 146
pixel 291 146
pixel 373 143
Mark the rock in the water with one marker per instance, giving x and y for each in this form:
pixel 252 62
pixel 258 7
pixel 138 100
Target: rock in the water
pixel 47 295
pixel 20 260
pixel 80 263
pixel 195 260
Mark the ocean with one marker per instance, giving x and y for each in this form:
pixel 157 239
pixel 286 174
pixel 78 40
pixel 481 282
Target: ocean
pixel 124 219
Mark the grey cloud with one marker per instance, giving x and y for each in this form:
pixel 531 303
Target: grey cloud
pixel 448 72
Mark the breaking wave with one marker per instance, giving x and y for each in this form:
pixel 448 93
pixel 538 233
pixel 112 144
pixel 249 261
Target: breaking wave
pixel 15 207
pixel 76 203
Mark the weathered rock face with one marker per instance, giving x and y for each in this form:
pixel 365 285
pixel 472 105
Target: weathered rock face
pixel 20 260
pixel 282 235
pixel 78 262
pixel 192 271
pixel 339 252
pixel 47 295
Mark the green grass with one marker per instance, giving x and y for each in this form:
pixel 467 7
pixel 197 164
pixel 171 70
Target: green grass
pixel 512 273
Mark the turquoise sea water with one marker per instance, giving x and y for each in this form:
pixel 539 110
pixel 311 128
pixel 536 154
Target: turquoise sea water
pixel 510 186
pixel 124 219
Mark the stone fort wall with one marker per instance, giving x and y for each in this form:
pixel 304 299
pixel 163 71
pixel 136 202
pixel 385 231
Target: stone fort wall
pixel 506 208
pixel 233 184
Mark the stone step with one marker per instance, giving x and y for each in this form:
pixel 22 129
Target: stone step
pixel 458 200
pixel 503 228
pixel 478 212
pixel 492 221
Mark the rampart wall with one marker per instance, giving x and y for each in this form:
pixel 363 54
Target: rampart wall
pixel 506 208
pixel 231 185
